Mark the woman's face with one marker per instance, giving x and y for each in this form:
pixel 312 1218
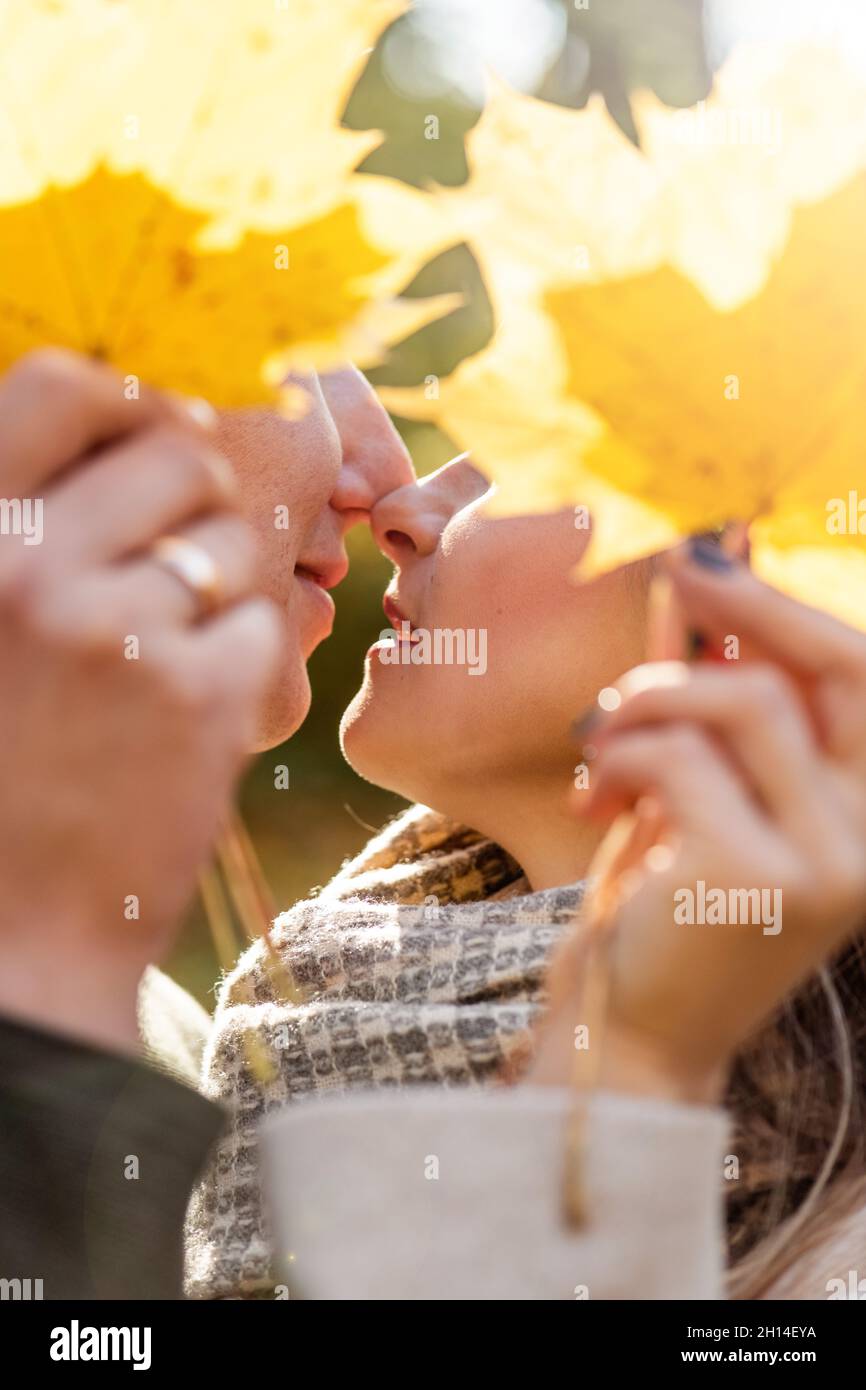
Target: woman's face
pixel 304 481
pixel 542 646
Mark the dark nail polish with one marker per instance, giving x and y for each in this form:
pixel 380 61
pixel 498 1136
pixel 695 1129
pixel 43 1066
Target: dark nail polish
pixel 710 555
pixel 696 644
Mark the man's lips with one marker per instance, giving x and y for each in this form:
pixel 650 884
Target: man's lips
pixel 317 595
pixel 317 574
pixel 327 572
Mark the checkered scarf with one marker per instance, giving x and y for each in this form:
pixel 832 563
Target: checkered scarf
pixel 422 962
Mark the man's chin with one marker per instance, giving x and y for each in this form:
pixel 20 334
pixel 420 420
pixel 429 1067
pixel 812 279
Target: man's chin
pixel 284 711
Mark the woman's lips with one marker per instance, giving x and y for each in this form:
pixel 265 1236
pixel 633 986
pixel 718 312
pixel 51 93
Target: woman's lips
pixel 401 625
pixel 397 618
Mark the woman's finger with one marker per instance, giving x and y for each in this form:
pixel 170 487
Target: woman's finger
pixel 697 789
pixel 722 598
pixel 826 658
pixel 754 711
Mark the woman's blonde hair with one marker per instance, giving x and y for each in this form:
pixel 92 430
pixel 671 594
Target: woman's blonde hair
pixel 797 1096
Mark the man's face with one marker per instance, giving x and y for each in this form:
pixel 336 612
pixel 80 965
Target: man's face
pixel 305 479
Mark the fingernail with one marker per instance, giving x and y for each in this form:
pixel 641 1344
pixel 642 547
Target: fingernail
pixel 709 554
pixel 223 471
pixel 201 411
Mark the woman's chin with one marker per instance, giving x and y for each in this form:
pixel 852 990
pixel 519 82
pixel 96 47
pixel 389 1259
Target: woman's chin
pixel 364 739
pixel 351 732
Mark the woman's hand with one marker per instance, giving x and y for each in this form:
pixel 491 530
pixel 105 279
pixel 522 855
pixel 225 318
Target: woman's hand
pixel 125 721
pixel 747 783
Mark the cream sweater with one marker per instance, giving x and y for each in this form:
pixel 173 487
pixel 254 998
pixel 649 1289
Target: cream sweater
pixel 454 1195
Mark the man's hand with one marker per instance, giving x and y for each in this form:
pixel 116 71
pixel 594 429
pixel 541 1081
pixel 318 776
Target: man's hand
pixel 124 717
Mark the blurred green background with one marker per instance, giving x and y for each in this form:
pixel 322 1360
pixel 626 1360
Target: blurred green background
pixel 431 62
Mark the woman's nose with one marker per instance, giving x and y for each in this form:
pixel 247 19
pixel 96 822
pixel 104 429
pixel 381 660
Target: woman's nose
pixel 405 523
pixel 412 519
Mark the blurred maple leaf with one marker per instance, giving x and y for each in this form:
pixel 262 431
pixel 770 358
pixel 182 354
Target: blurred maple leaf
pixel 177 194
pixel 756 414
pixel 699 360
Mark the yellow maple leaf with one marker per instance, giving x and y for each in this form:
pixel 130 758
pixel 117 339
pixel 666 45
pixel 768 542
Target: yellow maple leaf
pixel 177 195
pixel 552 195
pixel 783 126
pixel 232 108
pixel 507 405
pixel 703 362
pixel 562 196
pixel 757 414
pixel 113 268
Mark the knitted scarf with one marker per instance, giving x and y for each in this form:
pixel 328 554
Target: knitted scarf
pixel 421 962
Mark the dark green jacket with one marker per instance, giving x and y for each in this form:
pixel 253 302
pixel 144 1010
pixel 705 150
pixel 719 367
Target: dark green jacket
pixel 98 1155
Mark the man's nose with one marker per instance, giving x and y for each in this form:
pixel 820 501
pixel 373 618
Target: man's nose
pixel 369 473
